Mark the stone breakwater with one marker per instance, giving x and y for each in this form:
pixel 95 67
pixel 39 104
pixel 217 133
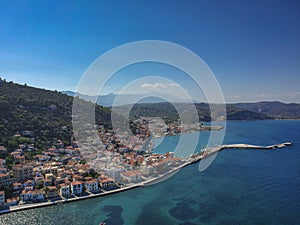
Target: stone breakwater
pixel 209 151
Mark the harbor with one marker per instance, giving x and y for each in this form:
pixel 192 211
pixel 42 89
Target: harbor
pixel 192 159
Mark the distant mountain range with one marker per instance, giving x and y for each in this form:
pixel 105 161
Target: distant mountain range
pixel 168 112
pixel 235 111
pixel 275 109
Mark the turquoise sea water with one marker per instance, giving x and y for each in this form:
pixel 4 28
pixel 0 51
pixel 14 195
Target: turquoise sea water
pixel 239 187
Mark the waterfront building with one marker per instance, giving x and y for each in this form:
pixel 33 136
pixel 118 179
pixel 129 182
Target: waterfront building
pixel 64 190
pixel 147 170
pixel 131 176
pixel 32 196
pixel 12 201
pixel 76 187
pixel 115 173
pixel 107 183
pixel 51 192
pixel 91 185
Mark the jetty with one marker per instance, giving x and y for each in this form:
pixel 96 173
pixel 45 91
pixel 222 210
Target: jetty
pixel 212 150
pixel 205 153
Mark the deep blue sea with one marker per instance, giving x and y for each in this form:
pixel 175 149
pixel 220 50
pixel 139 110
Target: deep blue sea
pixel 239 187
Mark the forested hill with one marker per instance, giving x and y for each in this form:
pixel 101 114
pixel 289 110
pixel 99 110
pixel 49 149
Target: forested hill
pixel 237 111
pixel 29 114
pixel 167 111
pixel 275 109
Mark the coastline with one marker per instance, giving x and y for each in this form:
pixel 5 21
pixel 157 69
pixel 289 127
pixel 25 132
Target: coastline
pixel 192 159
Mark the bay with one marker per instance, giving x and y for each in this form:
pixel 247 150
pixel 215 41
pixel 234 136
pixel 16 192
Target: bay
pixel 239 187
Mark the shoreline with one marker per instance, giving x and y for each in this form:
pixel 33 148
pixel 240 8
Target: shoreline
pixel 192 159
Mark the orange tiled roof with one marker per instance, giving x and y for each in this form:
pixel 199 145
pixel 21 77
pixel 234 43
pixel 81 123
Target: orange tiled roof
pixel 107 180
pixel 131 173
pixel 76 183
pixel 3 175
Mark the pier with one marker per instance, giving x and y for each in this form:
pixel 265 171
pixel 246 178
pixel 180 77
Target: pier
pixel 211 150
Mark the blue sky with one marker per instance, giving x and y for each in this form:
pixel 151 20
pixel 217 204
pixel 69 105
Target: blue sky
pixel 252 47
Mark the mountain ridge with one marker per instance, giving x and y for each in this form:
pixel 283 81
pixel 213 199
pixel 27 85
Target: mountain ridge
pixel 47 114
pixel 272 109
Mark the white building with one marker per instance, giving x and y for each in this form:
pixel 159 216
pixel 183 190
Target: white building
pixel 35 196
pixel 65 190
pixel 107 183
pixel 115 173
pixel 131 176
pixel 76 187
pixel 91 185
pixel 147 170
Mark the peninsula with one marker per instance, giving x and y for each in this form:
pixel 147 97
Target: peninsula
pixel 151 180
pixel 42 164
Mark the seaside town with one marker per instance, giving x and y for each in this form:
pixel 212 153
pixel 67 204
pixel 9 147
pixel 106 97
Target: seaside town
pixel 57 173
pixel 116 161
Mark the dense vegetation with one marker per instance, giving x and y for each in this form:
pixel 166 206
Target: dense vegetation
pixel 37 115
pixel 276 110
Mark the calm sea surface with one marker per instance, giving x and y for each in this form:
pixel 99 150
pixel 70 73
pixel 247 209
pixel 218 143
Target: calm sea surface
pixel 240 187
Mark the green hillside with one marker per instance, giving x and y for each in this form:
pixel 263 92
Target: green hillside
pixel 36 115
pixel 167 111
pixel 277 110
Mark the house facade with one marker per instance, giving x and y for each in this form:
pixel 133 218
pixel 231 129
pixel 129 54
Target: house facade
pixel 64 190
pixel 76 187
pixel 51 192
pixel 131 176
pixel 107 183
pixel 92 185
pixel 32 196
